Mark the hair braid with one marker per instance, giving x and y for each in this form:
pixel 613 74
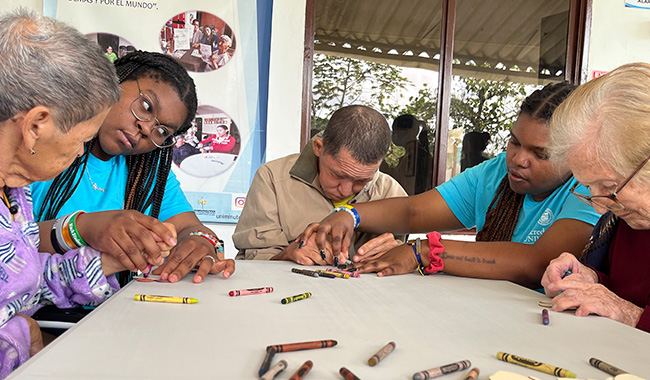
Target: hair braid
pixel 147 172
pixel 501 220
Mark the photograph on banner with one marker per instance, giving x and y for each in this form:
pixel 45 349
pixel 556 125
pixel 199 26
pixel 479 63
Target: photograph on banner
pixel 210 146
pixel 201 41
pixel 215 159
pixel 114 46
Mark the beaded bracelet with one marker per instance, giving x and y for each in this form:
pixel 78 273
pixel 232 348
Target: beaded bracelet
pixel 350 210
pixel 213 239
pixel 417 249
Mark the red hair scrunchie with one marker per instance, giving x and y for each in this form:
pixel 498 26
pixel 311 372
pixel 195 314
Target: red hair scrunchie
pixel 435 249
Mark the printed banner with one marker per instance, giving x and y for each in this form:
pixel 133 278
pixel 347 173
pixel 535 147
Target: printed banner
pixel 217 41
pixel 638 4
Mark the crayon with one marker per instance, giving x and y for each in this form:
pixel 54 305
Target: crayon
pixel 302 242
pixel 348 272
pixel 443 370
pixel 545 319
pixel 289 347
pixel 139 279
pixel 347 375
pixel 168 299
pixel 245 292
pixel 275 370
pixel 336 261
pixel 297 297
pixel 473 374
pixel 266 363
pixel 601 365
pixel 546 368
pixel 326 275
pixel 302 371
pixel 322 254
pixel 381 354
pixel 335 274
pixel 306 272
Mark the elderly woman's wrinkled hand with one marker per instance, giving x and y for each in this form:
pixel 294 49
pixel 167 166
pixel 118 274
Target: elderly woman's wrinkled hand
pixel 557 271
pixel 589 298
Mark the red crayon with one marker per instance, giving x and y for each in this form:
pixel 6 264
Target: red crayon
pixel 347 375
pixel 246 292
pixel 302 371
pixel 303 345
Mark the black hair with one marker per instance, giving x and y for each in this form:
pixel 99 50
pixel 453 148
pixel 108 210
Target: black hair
pixel 361 130
pixel 503 213
pixel 147 172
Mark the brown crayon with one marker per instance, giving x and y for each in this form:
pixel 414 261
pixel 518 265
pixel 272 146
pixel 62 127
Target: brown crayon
pixel 306 272
pixel 601 365
pixel 303 345
pixel 347 374
pixel 473 374
pixel 381 354
pixel 302 371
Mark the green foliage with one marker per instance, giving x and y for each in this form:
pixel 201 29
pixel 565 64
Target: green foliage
pixel 341 81
pixel 486 106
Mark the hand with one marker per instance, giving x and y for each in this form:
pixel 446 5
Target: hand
pixel 552 279
pixel 591 298
pixel 135 239
pixel 190 252
pixel 308 254
pixel 35 336
pixel 398 260
pixel 336 230
pixel 375 248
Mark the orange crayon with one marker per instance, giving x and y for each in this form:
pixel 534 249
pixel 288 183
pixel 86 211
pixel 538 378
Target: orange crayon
pixel 302 371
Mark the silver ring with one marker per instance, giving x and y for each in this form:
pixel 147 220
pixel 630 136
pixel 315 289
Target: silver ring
pixel 214 261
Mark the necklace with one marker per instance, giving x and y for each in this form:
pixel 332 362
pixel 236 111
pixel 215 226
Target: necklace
pixel 96 186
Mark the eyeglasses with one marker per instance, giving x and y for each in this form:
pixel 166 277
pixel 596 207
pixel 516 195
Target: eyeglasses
pixel 617 205
pixel 142 109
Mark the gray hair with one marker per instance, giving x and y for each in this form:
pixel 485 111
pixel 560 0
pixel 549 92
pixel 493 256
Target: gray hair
pixel 48 63
pixel 608 118
pixel 361 130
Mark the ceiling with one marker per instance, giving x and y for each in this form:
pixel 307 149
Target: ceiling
pixel 516 40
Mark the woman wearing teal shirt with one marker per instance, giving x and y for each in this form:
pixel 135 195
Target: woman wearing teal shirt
pixel 518 201
pixel 127 167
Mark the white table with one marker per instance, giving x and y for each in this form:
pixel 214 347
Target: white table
pixel 434 321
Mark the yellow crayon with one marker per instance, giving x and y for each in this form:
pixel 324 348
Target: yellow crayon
pixel 297 297
pixel 546 368
pixel 335 274
pixel 168 299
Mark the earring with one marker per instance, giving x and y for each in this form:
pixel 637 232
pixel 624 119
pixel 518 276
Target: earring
pixel 32 152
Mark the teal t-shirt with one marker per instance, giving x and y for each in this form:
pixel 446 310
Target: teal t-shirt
pixel 110 176
pixel 470 193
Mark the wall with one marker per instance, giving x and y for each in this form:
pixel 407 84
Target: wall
pixel 618 35
pixel 285 92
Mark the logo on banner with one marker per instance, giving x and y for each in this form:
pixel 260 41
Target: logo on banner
pixel 202 202
pixel 645 4
pixel 239 202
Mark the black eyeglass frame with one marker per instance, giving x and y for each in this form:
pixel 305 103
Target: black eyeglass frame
pixel 158 129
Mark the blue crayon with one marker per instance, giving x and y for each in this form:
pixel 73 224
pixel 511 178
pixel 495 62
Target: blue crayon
pixel 545 319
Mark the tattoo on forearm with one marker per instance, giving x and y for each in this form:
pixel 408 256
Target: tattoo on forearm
pixel 478 260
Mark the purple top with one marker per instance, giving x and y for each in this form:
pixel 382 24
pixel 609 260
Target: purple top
pixel 30 279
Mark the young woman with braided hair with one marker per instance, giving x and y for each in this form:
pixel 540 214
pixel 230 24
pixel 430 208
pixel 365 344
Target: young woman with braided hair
pixel 519 202
pixel 126 168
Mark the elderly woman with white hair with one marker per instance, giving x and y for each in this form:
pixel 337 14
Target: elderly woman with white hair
pixel 603 131
pixel 57 88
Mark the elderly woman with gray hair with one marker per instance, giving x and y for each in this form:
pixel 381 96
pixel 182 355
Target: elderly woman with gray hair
pixel 603 131
pixel 57 88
